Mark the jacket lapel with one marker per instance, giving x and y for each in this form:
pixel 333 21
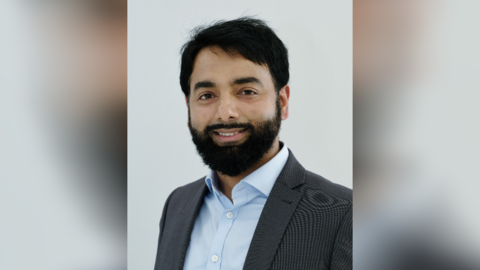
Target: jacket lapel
pixel 276 215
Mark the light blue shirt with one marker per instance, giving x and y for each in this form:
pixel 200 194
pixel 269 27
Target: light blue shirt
pixel 223 230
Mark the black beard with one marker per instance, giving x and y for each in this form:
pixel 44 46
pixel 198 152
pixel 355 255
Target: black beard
pixel 232 160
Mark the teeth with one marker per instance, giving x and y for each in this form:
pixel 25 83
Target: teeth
pixel 228 134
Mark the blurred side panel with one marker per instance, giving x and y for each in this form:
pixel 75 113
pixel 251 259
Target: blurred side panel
pixel 63 158
pixel 416 134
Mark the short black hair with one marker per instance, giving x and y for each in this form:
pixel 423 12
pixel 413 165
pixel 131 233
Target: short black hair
pixel 250 37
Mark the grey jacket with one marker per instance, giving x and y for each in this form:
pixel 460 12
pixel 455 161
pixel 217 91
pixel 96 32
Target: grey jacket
pixel 306 224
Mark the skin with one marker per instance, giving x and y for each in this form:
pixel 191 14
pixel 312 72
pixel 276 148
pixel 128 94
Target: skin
pixel 227 88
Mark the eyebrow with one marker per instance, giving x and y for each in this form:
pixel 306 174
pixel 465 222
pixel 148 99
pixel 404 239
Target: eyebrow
pixel 203 84
pixel 247 80
pixel 239 81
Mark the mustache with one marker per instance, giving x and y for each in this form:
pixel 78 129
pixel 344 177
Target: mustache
pixel 229 126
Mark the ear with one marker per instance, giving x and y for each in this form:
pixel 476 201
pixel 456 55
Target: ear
pixel 284 98
pixel 188 108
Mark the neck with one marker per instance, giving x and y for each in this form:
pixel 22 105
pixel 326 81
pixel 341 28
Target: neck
pixel 227 183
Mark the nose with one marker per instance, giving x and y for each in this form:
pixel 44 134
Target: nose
pixel 227 109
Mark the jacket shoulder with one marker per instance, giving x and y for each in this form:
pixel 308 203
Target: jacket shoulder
pixel 188 189
pixel 319 188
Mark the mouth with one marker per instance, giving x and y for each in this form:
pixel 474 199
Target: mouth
pixel 232 135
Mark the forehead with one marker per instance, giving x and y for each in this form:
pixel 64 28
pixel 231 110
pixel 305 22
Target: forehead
pixel 213 63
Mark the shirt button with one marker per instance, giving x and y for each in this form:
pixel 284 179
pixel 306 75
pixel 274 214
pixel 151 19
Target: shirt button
pixel 214 258
pixel 229 215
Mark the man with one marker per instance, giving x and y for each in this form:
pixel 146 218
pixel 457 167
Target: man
pixel 257 208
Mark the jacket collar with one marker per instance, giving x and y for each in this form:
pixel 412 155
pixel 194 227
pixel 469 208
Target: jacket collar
pixel 276 214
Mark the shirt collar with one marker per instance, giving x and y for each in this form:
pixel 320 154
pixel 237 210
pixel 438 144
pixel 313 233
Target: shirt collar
pixel 212 181
pixel 263 178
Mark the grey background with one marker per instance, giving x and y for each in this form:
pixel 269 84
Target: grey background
pixel 162 157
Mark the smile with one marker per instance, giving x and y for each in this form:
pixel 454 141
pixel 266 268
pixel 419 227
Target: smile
pixel 229 136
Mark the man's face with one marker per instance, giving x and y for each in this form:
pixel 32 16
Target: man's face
pixel 234 110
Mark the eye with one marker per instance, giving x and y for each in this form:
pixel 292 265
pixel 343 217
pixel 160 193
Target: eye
pixel 206 96
pixel 248 92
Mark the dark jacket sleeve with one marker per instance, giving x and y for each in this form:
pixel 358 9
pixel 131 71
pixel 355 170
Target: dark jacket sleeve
pixel 162 225
pixel 342 250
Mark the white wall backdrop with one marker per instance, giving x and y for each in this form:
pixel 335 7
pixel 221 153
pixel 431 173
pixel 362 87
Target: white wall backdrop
pixel 318 35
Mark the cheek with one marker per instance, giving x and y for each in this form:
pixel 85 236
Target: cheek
pixel 200 117
pixel 260 111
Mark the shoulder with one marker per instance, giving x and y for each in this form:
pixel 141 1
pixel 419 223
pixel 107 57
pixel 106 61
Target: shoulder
pixel 315 183
pixel 184 197
pixel 187 190
pixel 320 194
pixel 317 192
